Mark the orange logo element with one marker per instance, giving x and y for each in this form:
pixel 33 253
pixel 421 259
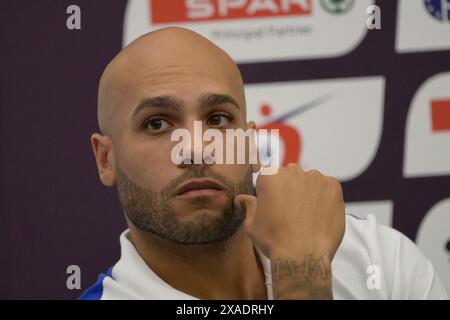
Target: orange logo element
pixel 289 135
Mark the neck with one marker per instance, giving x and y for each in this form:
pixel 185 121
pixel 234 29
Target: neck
pixel 229 269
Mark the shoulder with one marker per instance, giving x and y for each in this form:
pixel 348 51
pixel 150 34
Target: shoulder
pixel 403 270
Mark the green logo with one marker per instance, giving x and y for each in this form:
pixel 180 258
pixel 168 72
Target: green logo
pixel 337 6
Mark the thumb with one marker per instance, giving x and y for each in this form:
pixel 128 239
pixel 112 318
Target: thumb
pixel 246 203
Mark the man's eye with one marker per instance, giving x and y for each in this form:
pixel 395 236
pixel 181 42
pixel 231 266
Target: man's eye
pixel 156 125
pixel 219 120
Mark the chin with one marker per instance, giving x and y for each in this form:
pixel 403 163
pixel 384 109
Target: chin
pixel 200 205
pixel 200 212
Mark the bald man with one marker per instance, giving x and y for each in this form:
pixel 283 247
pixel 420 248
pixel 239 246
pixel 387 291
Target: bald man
pixel 198 230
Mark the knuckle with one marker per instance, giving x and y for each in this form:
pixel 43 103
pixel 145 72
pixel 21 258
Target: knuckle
pixel 334 182
pixel 336 186
pixel 292 166
pixel 314 173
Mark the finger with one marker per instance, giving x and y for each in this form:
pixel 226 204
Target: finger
pixel 246 203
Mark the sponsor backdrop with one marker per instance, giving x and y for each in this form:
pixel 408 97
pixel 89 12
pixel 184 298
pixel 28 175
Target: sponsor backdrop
pixel 370 106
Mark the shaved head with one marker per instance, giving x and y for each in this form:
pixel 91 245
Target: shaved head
pixel 166 80
pixel 167 53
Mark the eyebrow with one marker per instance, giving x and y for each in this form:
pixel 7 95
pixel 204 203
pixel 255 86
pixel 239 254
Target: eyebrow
pixel 170 102
pixel 215 99
pixel 207 100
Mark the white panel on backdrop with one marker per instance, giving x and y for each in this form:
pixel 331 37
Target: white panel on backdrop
pixel 423 25
pixel 381 209
pixel 333 126
pixel 433 237
pixel 427 137
pixel 251 30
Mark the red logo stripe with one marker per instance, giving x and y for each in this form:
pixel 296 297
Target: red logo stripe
pixel 440 114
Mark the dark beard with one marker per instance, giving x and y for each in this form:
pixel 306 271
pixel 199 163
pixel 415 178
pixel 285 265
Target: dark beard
pixel 152 212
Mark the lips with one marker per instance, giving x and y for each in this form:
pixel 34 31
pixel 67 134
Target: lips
pixel 199 187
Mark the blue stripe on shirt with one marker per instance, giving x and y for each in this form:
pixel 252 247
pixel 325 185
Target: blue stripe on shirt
pixel 95 292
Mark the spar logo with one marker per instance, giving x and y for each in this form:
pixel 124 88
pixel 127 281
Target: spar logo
pixel 258 30
pixel 427 136
pixel 321 123
pixel 181 11
pixel 438 9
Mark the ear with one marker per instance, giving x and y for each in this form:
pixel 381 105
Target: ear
pixel 255 167
pixel 104 156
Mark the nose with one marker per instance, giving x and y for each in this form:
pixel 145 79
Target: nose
pixel 193 150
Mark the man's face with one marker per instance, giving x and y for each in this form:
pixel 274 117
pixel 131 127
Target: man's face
pixel 158 101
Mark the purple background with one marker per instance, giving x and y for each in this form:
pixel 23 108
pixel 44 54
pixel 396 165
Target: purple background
pixel 54 212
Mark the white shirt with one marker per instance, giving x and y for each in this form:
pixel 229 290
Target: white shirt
pixel 372 262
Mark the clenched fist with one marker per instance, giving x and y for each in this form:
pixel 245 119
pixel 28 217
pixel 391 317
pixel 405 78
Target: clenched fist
pixel 297 220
